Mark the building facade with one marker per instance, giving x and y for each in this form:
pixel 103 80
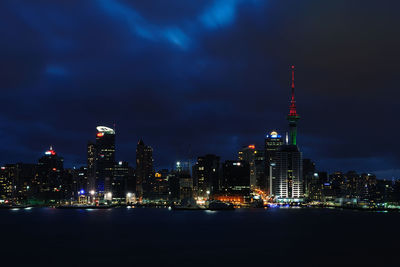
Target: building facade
pixel 144 169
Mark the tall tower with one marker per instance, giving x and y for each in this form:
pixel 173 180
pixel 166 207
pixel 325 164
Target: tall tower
pixel 293 117
pixel 289 176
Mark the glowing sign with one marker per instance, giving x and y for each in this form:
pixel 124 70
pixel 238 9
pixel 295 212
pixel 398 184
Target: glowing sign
pixel 252 146
pixel 100 134
pixel 104 129
pixel 273 135
pixel 50 152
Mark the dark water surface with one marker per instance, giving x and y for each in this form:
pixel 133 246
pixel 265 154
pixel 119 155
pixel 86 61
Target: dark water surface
pixel 160 237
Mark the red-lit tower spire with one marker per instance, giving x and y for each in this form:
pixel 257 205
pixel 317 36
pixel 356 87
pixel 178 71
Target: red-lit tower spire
pixel 293 117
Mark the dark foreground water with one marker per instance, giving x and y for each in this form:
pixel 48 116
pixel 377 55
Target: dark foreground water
pixel 160 237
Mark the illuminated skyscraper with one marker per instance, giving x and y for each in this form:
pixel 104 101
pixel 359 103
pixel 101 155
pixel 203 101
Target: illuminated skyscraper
pixel 289 165
pixel 105 158
pixel 248 153
pixel 6 184
pixel 49 173
pixel 289 173
pixel 273 142
pixel 206 175
pixel 236 179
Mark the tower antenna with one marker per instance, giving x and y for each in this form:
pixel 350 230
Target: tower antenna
pixel 293 117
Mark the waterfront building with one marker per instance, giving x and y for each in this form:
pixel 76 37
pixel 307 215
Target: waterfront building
pixel 247 153
pixel 144 169
pixel 47 182
pixel 235 181
pixel 259 162
pixel 182 172
pixel 206 175
pixel 160 186
pixel 105 158
pixel 308 175
pixel 91 166
pixel 123 180
pixel 6 184
pixel 273 141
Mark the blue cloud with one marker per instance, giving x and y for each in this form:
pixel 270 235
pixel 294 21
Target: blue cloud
pixel 56 70
pixel 143 28
pixel 221 13
pixel 176 36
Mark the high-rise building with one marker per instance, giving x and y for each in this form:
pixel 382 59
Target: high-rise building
pixel 235 181
pixel 289 178
pixel 272 144
pixel 47 182
pixel 259 161
pixel 308 175
pixel 160 187
pixel 144 168
pixel 182 171
pixel 6 184
pixel 91 166
pixel 206 175
pixel 123 180
pixel 289 165
pixel 247 153
pixel 105 158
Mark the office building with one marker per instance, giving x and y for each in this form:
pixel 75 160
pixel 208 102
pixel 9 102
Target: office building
pixel 272 143
pixel 144 169
pixel 105 158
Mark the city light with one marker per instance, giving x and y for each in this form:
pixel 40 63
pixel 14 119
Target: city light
pixel 274 174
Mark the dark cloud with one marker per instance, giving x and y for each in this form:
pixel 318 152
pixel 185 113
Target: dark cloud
pixel 196 77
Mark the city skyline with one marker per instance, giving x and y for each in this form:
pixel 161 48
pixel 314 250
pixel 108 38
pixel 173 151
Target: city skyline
pixel 201 133
pixel 209 79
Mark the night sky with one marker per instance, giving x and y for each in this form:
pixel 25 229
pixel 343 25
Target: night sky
pixel 197 77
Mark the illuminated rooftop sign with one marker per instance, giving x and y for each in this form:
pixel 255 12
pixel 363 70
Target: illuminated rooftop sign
pixel 274 135
pixel 104 129
pixel 50 152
